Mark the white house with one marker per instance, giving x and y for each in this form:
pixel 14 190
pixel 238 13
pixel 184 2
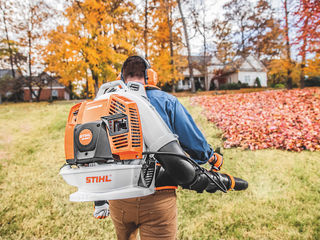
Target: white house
pixel 244 70
pixel 248 71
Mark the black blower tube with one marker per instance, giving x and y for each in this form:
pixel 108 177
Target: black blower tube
pixel 188 174
pixel 239 184
pixel 180 170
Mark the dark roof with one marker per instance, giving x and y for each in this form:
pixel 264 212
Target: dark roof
pixel 47 80
pixel 199 60
pixel 237 64
pixel 7 72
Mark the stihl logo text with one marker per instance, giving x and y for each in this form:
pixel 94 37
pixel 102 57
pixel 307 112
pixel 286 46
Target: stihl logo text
pixel 85 136
pixel 98 179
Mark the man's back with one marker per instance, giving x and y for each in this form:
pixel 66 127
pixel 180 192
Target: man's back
pixel 181 123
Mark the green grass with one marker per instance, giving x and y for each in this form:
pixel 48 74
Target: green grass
pixel 282 201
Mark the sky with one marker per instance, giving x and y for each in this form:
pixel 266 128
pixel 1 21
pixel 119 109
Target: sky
pixel 214 10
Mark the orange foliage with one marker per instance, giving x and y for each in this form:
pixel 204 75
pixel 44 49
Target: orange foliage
pixel 159 36
pixel 308 14
pixel 287 120
pixel 313 67
pixel 91 48
pixel 279 67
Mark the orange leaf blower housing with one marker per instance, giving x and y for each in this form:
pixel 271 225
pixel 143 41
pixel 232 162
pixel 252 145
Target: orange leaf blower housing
pixel 103 130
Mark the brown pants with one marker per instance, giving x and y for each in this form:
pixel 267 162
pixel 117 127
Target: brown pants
pixel 155 215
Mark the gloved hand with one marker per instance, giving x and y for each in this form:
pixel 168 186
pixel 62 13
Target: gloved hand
pixel 216 161
pixel 101 209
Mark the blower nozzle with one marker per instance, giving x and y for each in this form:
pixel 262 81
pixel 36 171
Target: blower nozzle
pixel 230 182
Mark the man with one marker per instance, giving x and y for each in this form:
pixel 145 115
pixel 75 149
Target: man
pixel 156 215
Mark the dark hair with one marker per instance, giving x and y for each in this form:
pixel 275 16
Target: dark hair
pixel 134 66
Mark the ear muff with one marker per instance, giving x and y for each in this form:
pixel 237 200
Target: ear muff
pixel 152 77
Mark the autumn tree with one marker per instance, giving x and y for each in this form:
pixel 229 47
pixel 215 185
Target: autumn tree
pixel 164 38
pixel 239 14
pixel 8 45
pixel 287 44
pixel 222 41
pixel 203 28
pixel 278 70
pixel 11 54
pixel 308 35
pixel 249 29
pixel 92 46
pixel 267 36
pixel 312 68
pixel 28 27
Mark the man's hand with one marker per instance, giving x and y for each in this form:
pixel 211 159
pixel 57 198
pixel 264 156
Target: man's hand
pixel 216 161
pixel 101 209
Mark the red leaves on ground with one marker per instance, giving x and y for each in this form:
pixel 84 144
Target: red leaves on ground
pixel 272 119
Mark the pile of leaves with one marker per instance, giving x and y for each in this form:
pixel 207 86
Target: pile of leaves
pixel 282 119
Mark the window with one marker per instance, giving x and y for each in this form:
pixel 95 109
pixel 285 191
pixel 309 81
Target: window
pixel 247 78
pixel 54 93
pixel 186 81
pixel 35 93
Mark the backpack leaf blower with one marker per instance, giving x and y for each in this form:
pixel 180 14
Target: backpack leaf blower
pixel 112 145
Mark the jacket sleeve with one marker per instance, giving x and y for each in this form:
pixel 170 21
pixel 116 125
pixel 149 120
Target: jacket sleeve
pixel 190 137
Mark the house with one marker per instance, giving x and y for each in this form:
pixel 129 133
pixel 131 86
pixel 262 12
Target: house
pixel 244 70
pixel 6 73
pixel 10 88
pixel 49 87
pixel 198 63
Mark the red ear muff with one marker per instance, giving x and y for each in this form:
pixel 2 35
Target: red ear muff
pixel 152 77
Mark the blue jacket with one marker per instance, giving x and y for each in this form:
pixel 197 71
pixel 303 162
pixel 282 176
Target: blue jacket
pixel 181 123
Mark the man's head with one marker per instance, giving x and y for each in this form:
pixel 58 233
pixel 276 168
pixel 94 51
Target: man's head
pixel 134 69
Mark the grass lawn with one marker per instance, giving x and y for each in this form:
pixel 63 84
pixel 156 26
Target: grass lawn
pixel 282 201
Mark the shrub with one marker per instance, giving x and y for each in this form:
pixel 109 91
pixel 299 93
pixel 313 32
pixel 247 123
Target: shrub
pixel 234 86
pixel 312 82
pixel 243 85
pixel 230 86
pixel 279 85
pixel 257 83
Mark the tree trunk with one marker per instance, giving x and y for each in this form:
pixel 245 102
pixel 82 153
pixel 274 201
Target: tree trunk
pixel 71 91
pixel 145 33
pixel 289 78
pixel 51 99
pixel 8 42
pixel 193 89
pixel 29 65
pixel 206 80
pixel 302 75
pixel 303 64
pixel 39 93
pixel 303 53
pixel 96 81
pixel 169 18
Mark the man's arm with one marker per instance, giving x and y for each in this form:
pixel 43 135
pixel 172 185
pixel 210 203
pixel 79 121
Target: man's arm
pixel 190 137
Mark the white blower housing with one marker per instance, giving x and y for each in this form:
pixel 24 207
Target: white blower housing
pixel 105 140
